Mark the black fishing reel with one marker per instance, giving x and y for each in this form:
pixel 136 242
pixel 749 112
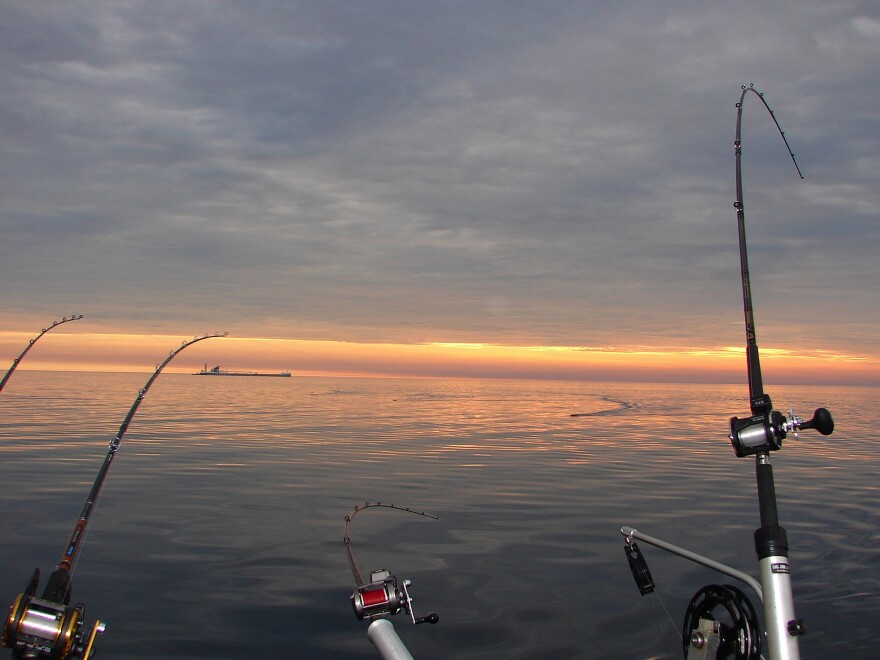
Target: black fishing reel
pixel 382 597
pixel 720 622
pixel 41 628
pixel 765 430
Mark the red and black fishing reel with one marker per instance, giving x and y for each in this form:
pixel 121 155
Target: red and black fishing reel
pixel 382 597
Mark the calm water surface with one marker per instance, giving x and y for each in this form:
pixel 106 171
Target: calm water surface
pixel 219 530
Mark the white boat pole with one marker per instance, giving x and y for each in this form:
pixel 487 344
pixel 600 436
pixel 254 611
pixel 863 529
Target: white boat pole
pixel 384 637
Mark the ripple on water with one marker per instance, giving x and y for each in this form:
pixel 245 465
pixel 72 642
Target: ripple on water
pixel 219 532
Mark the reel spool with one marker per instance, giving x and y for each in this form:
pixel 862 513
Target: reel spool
pixel 740 636
pixel 46 628
pixel 40 628
pixel 378 598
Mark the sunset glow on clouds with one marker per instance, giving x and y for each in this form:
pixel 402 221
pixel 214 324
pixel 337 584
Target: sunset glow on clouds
pixel 88 352
pixel 440 188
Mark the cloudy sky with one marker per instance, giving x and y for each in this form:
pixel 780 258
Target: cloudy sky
pixel 505 173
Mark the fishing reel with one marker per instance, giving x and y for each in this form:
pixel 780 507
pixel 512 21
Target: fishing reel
pixel 382 597
pixel 765 430
pixel 42 628
pixel 720 622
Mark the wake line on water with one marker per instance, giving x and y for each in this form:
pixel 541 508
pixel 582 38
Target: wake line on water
pixel 620 407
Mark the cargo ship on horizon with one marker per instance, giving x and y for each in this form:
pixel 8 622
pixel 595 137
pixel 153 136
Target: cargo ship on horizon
pixel 217 371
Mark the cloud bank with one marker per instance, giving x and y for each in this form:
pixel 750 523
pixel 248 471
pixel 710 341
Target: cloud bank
pixel 513 173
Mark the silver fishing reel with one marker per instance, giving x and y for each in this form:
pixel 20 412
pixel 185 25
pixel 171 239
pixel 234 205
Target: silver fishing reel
pixel 381 597
pixel 764 431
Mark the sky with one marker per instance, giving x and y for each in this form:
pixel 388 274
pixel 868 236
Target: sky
pixel 441 188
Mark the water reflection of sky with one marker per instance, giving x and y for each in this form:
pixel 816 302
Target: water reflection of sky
pixel 219 531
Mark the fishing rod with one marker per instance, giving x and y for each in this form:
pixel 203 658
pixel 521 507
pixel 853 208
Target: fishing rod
pixel 49 626
pixel 16 361
pixel 759 401
pixel 381 597
pixel 720 622
pixel 762 433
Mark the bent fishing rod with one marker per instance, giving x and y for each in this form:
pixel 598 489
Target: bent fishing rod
pixel 720 622
pixel 762 433
pixel 382 596
pixel 49 626
pixel 17 361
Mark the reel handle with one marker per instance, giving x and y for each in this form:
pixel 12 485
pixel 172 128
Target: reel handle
pixel 821 422
pixel 432 617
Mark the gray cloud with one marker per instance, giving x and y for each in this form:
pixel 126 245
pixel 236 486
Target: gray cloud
pixel 398 171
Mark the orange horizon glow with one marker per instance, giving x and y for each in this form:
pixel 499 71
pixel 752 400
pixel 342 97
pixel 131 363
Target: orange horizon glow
pixel 120 352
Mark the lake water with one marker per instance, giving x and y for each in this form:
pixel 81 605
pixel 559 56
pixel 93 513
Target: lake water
pixel 219 530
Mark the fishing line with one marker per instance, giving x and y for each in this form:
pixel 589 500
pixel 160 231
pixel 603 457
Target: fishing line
pixel 668 615
pixel 659 624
